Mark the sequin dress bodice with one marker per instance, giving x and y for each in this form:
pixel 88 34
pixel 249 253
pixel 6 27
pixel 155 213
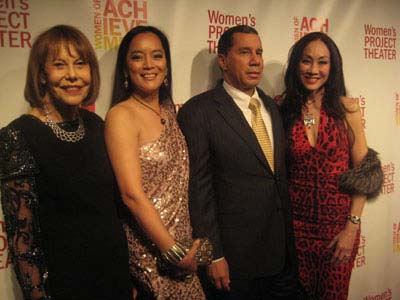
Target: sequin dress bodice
pixel 165 175
pixel 165 178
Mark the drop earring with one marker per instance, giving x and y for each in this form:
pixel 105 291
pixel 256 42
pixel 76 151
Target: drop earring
pixel 126 82
pixel 166 81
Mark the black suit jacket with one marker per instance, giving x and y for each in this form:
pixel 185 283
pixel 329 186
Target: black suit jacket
pixel 235 199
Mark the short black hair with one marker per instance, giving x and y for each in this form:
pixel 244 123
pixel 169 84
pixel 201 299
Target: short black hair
pixel 225 42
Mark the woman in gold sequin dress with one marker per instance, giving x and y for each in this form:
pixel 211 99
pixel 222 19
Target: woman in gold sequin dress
pixel 150 160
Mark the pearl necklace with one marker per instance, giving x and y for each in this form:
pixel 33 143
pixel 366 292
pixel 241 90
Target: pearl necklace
pixel 67 136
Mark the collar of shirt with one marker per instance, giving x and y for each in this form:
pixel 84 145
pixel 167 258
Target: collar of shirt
pixel 242 100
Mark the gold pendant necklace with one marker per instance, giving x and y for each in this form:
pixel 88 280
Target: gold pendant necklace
pixel 308 119
pixel 162 120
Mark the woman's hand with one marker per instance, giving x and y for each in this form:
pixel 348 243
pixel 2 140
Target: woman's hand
pixel 344 243
pixel 188 264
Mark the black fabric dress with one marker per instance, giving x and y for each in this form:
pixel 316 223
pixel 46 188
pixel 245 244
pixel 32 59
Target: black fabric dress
pixel 60 206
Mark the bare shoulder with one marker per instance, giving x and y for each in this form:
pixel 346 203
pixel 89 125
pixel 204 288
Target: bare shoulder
pixel 350 104
pixel 122 113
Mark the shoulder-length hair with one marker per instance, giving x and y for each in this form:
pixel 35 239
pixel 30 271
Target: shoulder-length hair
pixel 120 92
pixel 47 46
pixel 295 95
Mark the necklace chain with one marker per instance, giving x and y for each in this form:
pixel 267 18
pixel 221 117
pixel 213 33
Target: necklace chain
pixel 162 120
pixel 67 136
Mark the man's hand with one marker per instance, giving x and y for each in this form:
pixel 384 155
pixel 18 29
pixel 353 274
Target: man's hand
pixel 219 274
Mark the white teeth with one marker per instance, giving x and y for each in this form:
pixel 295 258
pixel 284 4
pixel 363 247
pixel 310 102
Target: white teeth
pixel 149 76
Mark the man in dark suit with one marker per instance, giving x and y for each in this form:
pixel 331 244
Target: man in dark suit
pixel 238 193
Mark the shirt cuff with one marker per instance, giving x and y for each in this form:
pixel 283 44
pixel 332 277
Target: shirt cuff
pixel 218 259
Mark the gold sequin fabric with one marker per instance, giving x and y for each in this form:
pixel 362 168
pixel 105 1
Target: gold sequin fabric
pixel 165 176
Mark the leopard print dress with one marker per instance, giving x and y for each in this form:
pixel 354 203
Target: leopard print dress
pixel 319 209
pixel 165 176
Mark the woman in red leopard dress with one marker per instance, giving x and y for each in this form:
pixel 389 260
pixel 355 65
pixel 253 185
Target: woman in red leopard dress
pixel 332 172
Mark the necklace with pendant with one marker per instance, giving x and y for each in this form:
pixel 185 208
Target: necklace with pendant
pixel 67 136
pixel 308 119
pixel 162 120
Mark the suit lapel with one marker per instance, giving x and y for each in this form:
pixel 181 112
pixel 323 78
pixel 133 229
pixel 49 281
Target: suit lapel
pixel 234 117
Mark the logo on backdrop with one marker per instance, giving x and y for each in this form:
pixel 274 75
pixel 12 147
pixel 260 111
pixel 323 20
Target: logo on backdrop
pixel 304 25
pixel 397 108
pixel 14 24
pixel 360 257
pixel 218 22
pixel 363 105
pixel 388 182
pixel 396 237
pixel 4 255
pixel 379 42
pixel 113 18
pixel 386 295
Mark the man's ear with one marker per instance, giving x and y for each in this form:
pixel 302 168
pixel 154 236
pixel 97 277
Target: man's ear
pixel 222 62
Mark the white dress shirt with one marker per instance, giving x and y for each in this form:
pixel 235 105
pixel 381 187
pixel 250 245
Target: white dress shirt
pixel 242 100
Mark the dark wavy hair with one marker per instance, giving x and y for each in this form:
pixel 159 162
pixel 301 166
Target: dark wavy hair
pixel 120 93
pixel 47 46
pixel 295 95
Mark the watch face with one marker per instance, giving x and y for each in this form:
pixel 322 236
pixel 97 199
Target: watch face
pixel 355 219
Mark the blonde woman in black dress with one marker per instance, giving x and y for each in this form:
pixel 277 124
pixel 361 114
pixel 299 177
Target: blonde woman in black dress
pixel 57 186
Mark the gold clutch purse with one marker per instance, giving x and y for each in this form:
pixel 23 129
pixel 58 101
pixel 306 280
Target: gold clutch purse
pixel 204 253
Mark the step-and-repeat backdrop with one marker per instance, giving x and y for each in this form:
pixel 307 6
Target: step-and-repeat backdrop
pixel 366 32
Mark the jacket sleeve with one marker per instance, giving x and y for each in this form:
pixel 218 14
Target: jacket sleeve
pixel 202 202
pixel 20 208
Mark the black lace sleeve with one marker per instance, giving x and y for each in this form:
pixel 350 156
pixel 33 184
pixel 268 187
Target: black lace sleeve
pixel 20 208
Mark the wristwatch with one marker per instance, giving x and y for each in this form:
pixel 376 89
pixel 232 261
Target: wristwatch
pixel 354 219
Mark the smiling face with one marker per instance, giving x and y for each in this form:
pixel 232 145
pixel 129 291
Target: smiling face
pixel 243 65
pixel 146 64
pixel 314 66
pixel 67 78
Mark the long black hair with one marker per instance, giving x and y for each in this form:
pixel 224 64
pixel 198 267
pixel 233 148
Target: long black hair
pixel 295 95
pixel 120 92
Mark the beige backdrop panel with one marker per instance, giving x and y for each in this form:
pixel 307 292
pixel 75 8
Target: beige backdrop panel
pixel 366 32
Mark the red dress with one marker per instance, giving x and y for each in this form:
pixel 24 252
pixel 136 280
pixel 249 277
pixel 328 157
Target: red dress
pixel 319 209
